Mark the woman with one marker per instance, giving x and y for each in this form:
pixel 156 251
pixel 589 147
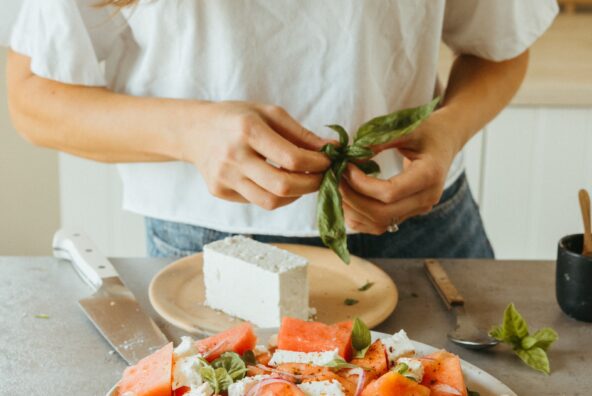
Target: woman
pixel 195 99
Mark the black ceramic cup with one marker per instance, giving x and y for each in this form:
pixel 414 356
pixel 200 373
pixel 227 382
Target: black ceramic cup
pixel 573 278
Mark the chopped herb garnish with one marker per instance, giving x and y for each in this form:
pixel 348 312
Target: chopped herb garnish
pixel 350 301
pixel 42 316
pixel 367 286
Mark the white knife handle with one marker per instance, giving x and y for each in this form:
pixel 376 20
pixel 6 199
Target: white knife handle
pixel 90 264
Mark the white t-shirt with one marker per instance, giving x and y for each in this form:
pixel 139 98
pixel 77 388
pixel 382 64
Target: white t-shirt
pixel 325 62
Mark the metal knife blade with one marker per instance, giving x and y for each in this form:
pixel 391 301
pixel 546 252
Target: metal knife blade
pixel 113 308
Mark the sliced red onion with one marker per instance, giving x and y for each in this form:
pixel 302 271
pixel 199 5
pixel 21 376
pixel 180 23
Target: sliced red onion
pixel 444 388
pixel 215 349
pixel 254 391
pixel 297 377
pixel 361 373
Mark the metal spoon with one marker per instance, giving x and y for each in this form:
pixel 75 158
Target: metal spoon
pixel 585 207
pixel 467 333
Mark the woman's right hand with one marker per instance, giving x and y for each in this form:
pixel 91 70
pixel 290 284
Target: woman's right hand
pixel 234 144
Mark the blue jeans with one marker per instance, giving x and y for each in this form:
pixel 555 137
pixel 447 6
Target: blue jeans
pixel 453 229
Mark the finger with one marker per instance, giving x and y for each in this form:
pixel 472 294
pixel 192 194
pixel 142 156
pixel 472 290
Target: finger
pixel 258 196
pixel 282 122
pixel 385 214
pixel 276 148
pixel 359 223
pixel 416 177
pixel 227 194
pixel 365 206
pixel 277 181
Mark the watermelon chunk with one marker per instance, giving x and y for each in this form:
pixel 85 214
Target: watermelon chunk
pixel 239 339
pixel 392 384
pixel 374 361
pixel 151 376
pixel 302 336
pixel 276 389
pixel 442 370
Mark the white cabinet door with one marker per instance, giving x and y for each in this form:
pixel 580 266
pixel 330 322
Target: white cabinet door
pixel 535 161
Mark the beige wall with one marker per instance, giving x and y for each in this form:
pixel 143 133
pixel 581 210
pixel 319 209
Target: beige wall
pixel 29 190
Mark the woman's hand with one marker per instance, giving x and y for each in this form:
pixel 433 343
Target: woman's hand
pixel 371 204
pixel 235 143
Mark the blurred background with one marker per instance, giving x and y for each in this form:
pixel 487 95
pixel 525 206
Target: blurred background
pixel 525 168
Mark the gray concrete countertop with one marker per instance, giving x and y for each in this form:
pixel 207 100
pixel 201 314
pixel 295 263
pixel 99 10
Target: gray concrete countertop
pixel 65 355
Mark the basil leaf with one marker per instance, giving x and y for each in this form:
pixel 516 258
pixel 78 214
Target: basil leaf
pixel 384 129
pixel 361 338
pixel 514 325
pixel 350 301
pixel 358 152
pixel 535 358
pixel 339 364
pixel 527 342
pixel 249 358
pixel 545 337
pixel 218 378
pixel 401 368
pixel 232 363
pixel 366 286
pixel 368 167
pixel 343 136
pixel 330 217
pixel 332 152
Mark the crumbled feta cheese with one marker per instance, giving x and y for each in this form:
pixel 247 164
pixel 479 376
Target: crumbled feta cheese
pixel 322 388
pixel 414 368
pixel 185 348
pixel 242 387
pixel 186 372
pixel 314 358
pixel 398 346
pixel 260 350
pixel 203 390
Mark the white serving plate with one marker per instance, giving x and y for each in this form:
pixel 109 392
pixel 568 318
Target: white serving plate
pixel 476 379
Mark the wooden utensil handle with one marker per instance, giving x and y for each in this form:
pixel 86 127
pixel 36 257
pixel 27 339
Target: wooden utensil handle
pixel 443 284
pixel 585 207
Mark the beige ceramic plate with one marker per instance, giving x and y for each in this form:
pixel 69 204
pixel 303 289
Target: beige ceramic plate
pixel 177 292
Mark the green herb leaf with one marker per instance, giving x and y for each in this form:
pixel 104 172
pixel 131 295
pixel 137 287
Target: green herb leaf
pixel 42 316
pixel 358 152
pixel 218 378
pixel 339 364
pixel 343 136
pixel 385 129
pixel 361 338
pixel 368 167
pixel 350 301
pixel 530 348
pixel 472 393
pixel 232 363
pixel 366 286
pixel 545 337
pixel 401 368
pixel 249 358
pixel 330 217
pixel 535 358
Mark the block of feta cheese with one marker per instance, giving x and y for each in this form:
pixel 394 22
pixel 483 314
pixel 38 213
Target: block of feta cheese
pixel 414 368
pixel 398 346
pixel 322 388
pixel 315 358
pixel 255 281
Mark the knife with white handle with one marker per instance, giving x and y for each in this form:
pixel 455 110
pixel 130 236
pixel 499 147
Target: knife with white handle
pixel 113 308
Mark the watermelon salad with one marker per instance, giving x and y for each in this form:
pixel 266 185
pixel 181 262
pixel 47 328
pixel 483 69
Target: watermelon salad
pixel 304 359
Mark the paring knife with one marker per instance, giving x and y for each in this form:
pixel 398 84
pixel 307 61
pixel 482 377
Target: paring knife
pixel 466 334
pixel 113 308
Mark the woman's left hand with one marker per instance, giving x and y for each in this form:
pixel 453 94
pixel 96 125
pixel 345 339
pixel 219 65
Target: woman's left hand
pixel 371 205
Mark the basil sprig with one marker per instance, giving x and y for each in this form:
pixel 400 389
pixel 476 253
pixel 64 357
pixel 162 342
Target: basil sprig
pixel 377 131
pixel 340 363
pixel 223 371
pixel 361 338
pixel 530 348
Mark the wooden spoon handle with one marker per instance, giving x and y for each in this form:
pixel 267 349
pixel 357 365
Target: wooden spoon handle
pixel 443 284
pixel 585 207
